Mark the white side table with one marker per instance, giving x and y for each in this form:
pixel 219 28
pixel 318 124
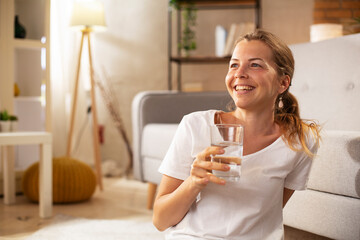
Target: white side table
pixel 44 139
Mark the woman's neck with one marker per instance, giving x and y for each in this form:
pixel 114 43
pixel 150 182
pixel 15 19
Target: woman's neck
pixel 256 123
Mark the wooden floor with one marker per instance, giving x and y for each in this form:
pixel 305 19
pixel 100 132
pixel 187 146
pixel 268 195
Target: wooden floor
pixel 121 199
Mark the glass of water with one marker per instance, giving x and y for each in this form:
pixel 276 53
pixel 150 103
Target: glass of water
pixel 230 137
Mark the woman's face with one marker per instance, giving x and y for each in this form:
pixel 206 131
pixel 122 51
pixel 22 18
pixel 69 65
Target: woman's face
pixel 252 79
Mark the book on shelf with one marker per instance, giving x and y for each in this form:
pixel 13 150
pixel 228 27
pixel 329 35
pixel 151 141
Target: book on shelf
pixel 220 40
pixel 236 30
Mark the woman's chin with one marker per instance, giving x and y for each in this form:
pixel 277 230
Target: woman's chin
pixel 241 104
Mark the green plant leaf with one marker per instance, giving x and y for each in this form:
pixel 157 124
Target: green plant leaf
pixel 189 16
pixel 13 118
pixel 4 116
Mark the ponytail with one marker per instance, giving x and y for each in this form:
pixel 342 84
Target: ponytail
pixel 295 130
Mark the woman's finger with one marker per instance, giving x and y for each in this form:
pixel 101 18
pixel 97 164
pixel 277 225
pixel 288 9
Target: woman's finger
pixel 198 171
pixel 206 154
pixel 207 177
pixel 210 165
pixel 203 176
pixel 201 169
pixel 214 179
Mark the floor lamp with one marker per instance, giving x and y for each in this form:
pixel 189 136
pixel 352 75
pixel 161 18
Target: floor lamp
pixel 87 16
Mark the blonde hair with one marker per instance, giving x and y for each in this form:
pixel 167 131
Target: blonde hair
pixel 287 114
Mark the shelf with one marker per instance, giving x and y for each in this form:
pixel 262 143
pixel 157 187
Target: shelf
pixel 28 43
pixel 225 3
pixel 26 61
pixel 200 59
pixel 27 99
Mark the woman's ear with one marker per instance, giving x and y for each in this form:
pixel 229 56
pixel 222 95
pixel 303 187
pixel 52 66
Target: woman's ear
pixel 284 83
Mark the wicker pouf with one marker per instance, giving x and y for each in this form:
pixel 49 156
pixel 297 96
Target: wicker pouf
pixel 73 181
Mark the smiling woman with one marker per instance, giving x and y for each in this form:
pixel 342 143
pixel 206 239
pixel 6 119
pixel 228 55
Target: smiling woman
pixel 278 151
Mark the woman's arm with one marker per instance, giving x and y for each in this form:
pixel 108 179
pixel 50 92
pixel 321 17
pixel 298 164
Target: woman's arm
pixel 287 195
pixel 176 196
pixel 172 202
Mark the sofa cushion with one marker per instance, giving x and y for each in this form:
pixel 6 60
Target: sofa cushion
pixel 152 174
pixel 330 215
pixel 336 169
pixel 156 139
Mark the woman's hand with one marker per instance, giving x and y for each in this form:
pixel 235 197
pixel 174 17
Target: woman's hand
pixel 176 196
pixel 201 169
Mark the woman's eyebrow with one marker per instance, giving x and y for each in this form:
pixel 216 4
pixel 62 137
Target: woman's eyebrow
pixel 252 59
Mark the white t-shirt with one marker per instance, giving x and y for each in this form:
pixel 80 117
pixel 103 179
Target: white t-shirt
pixel 248 209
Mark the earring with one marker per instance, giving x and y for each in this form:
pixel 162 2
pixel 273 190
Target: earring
pixel 280 103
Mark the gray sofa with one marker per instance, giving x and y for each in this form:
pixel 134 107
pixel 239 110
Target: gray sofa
pixel 327 85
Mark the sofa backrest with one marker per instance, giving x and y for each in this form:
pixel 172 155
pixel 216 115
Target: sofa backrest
pixel 177 105
pixel 336 168
pixel 327 82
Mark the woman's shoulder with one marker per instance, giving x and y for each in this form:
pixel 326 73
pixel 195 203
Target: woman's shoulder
pixel 309 142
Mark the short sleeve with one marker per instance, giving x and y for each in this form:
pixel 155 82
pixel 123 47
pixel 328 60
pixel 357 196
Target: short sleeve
pixel 177 161
pixel 297 179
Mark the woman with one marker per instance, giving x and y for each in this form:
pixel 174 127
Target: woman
pixel 278 151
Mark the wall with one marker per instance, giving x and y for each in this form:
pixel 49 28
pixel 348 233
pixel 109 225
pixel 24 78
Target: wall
pixel 132 56
pixel 338 11
pixel 290 20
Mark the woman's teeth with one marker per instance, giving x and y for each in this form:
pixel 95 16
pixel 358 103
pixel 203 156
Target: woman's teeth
pixel 245 88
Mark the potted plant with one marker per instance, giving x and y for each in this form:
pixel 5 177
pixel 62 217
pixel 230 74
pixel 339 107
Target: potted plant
pixel 4 121
pixel 8 123
pixel 188 41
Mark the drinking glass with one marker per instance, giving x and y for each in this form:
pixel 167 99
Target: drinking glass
pixel 230 137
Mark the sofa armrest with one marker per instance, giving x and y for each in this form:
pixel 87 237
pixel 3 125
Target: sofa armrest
pixel 168 107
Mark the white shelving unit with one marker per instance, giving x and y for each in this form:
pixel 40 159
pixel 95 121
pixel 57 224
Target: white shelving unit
pixel 26 62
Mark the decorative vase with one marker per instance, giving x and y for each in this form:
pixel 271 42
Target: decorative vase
pixel 5 126
pixel 16 90
pixel 19 30
pixel 13 125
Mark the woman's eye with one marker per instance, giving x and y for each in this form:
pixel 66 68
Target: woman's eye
pixel 255 65
pixel 234 65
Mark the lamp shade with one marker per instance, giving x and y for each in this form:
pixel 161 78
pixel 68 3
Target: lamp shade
pixel 88 14
pixel 323 31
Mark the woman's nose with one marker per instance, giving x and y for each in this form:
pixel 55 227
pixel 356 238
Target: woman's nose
pixel 241 72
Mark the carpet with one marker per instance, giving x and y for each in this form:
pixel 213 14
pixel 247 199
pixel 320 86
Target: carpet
pixel 66 227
